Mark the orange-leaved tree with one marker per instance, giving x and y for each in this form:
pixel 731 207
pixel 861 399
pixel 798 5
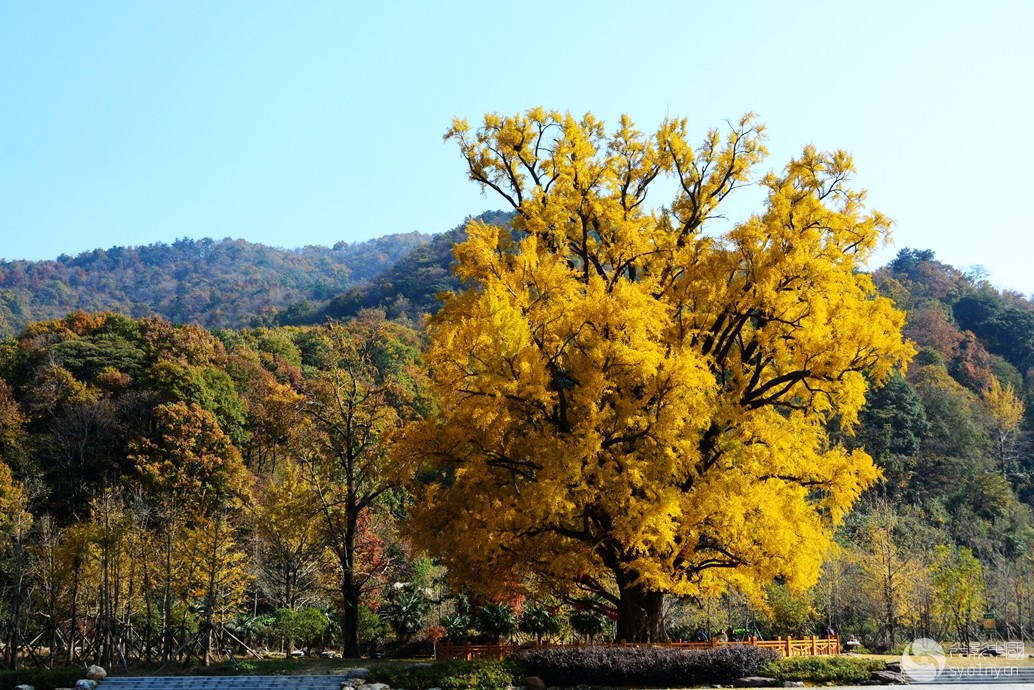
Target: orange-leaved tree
pixel 629 396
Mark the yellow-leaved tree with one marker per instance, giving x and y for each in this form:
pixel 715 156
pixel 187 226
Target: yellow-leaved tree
pixel 1005 415
pixel 626 398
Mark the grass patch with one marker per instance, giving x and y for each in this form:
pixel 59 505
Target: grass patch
pixel 448 675
pixel 822 669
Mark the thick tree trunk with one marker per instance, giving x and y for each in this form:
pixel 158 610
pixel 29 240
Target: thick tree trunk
pixel 350 619
pixel 350 590
pixel 640 613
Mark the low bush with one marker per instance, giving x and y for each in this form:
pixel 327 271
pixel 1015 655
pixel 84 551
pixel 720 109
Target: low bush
pixel 823 669
pixel 41 678
pixel 412 649
pixel 448 675
pixel 649 666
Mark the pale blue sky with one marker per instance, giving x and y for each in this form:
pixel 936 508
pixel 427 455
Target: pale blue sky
pixel 306 122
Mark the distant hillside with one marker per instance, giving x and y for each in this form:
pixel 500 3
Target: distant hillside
pixel 962 322
pixel 409 289
pixel 217 284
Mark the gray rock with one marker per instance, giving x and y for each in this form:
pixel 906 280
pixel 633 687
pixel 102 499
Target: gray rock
pixel 374 686
pixel 894 666
pixel 96 673
pixel 85 684
pixel 888 678
pixel 297 654
pixel 755 682
pixel 358 672
pixel 24 687
pixel 793 684
pixel 330 654
pixel 534 683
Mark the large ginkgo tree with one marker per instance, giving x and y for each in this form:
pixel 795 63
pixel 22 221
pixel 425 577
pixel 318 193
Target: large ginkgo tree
pixel 628 396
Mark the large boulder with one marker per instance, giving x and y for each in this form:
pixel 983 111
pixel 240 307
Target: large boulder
pixel 888 678
pixel 96 673
pixel 85 684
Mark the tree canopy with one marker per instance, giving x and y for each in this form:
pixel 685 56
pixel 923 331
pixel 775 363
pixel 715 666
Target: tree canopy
pixel 625 394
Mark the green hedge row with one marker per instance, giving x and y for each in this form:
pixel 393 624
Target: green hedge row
pixel 642 666
pixel 624 667
pixel 41 678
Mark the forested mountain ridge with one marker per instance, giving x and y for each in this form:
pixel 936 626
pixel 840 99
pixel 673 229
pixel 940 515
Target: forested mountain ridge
pixel 214 283
pixel 953 432
pixel 410 288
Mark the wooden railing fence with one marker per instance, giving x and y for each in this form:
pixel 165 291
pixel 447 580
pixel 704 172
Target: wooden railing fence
pixel 119 647
pixel 788 646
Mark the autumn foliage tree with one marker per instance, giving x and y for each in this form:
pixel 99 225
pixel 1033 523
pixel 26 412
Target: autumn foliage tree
pixel 625 393
pixel 292 538
pixel 365 382
pixel 194 472
pixel 15 524
pixel 959 588
pixel 189 460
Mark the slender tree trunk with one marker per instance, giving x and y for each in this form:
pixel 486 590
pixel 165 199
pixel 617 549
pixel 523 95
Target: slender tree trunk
pixel 167 629
pixel 17 601
pixel 890 606
pixel 104 651
pixel 73 631
pixel 640 612
pixel 213 564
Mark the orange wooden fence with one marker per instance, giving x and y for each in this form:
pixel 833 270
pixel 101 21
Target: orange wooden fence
pixel 807 646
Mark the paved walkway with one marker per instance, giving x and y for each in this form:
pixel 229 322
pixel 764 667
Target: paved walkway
pixel 223 683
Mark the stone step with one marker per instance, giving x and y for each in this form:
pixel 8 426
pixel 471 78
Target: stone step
pixel 985 675
pixel 222 683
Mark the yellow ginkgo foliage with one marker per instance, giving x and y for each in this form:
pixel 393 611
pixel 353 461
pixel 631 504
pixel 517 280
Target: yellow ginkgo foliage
pixel 627 395
pixel 1005 413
